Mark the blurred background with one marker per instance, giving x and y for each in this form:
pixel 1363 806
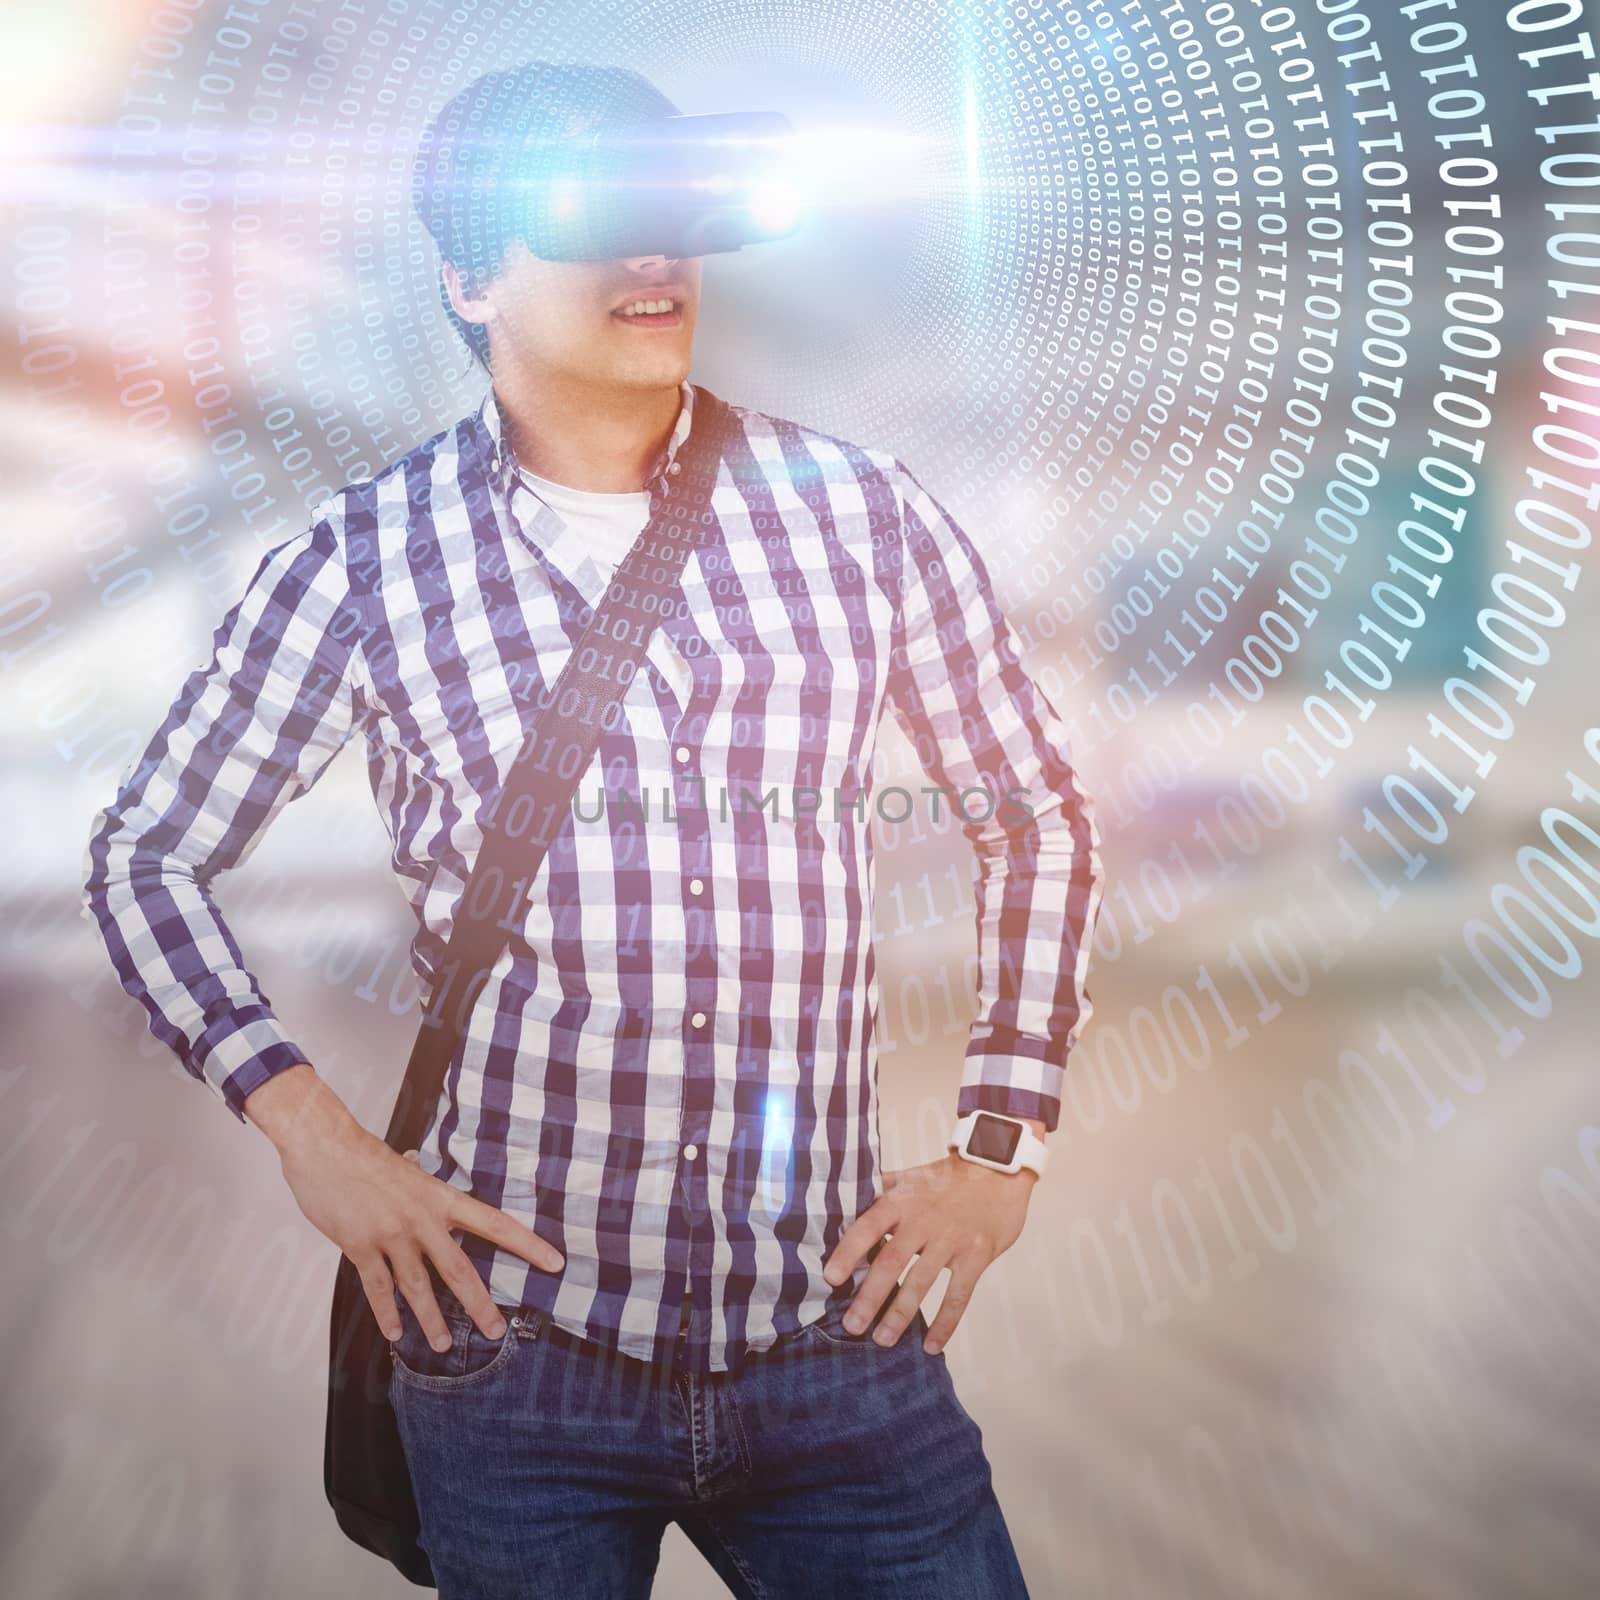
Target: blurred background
pixel 1227 336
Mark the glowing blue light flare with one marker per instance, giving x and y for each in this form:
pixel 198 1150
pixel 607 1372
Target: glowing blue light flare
pixel 774 205
pixel 777 1151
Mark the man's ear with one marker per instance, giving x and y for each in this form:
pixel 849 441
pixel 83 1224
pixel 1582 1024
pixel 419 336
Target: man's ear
pixel 468 302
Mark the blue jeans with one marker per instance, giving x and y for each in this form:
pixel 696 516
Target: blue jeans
pixel 548 1467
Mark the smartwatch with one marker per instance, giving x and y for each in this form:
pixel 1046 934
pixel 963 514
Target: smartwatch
pixel 992 1139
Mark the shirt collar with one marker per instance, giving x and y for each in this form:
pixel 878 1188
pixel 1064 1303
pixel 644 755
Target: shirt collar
pixel 554 540
pixel 489 421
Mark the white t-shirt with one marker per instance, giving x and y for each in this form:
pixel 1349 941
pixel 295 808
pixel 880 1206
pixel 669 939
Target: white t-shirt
pixel 608 524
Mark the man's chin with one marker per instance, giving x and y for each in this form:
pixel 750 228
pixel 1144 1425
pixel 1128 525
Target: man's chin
pixel 646 375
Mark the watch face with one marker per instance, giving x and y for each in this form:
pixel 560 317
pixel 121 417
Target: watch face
pixel 993 1138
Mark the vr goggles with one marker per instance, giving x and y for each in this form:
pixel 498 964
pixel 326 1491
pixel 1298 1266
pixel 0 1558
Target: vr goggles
pixel 674 185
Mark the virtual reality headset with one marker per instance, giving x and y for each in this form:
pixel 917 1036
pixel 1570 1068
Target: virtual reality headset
pixel 674 185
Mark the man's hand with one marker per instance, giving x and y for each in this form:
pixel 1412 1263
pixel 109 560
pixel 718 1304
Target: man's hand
pixel 949 1213
pixel 383 1210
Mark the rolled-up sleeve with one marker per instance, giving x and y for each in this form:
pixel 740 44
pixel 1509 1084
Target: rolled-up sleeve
pixel 980 722
pixel 248 732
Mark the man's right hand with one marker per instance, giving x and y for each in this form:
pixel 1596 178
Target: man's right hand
pixel 383 1210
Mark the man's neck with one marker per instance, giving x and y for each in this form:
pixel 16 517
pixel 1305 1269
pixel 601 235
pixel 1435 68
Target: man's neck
pixel 601 439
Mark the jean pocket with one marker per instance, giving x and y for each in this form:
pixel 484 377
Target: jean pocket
pixel 473 1357
pixel 829 1329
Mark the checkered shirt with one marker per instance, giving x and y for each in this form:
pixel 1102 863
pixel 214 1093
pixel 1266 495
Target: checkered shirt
pixel 672 1071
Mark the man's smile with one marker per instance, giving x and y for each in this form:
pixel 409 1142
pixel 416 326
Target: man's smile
pixel 650 312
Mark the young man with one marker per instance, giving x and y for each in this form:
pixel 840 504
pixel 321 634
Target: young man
pixel 644 1267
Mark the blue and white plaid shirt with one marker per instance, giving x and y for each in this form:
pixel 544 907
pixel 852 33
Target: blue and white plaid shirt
pixel 671 1073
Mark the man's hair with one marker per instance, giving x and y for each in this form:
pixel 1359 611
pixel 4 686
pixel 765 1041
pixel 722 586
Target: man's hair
pixel 470 148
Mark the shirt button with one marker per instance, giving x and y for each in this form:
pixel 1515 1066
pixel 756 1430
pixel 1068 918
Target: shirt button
pixel 698 1020
pixel 682 752
pixel 675 468
pixel 690 1151
pixel 695 886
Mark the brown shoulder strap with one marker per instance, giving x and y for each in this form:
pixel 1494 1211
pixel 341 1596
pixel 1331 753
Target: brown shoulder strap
pixel 525 815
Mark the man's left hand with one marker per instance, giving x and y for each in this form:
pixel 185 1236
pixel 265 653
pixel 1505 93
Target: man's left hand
pixel 948 1213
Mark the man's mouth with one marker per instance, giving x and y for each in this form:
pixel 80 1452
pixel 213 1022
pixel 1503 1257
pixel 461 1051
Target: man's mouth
pixel 650 313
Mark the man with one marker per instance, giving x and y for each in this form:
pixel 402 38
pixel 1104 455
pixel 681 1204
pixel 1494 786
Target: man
pixel 642 1268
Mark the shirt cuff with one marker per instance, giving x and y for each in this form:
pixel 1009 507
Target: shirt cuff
pixel 1017 1085
pixel 239 1051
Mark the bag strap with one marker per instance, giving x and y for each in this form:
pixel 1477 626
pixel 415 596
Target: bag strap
pixel 525 815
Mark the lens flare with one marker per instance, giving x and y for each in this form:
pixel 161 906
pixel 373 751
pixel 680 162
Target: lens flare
pixel 774 205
